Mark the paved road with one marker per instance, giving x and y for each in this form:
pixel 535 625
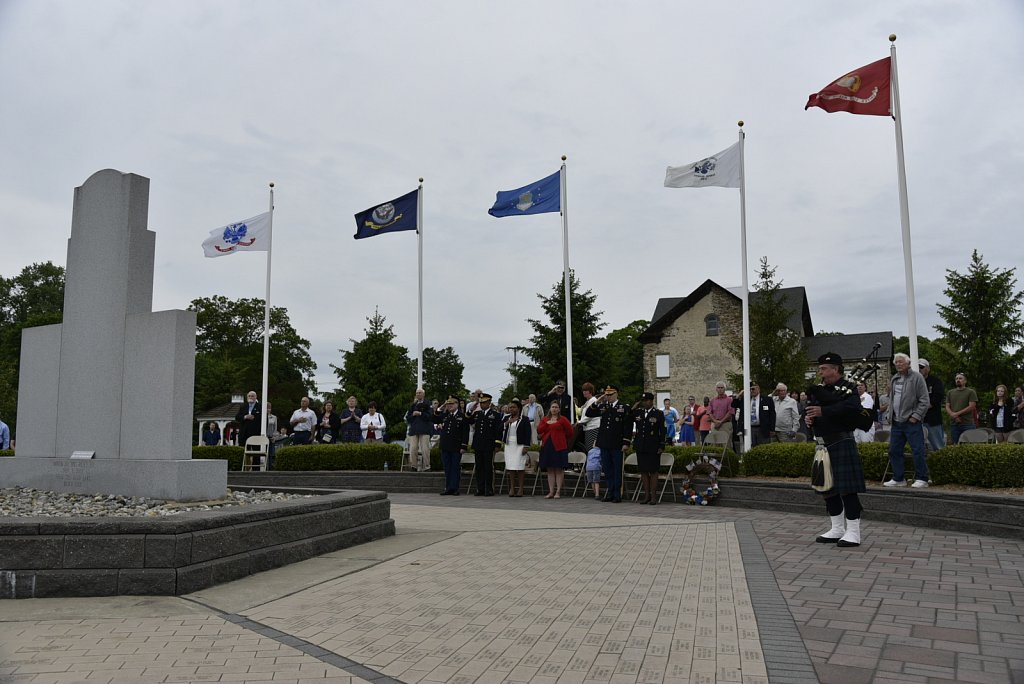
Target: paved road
pixel 534 590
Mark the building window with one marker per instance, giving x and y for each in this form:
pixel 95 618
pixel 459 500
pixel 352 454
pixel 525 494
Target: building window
pixel 661 366
pixel 711 324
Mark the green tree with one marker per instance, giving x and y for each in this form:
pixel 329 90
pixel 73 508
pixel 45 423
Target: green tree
pixel 381 371
pixel 624 359
pixel 442 373
pixel 229 354
pixel 982 324
pixel 777 353
pixel 547 346
pixel 33 297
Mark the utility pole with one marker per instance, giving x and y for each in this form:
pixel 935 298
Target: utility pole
pixel 515 367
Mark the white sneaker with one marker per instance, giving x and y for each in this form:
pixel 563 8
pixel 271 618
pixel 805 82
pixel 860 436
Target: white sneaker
pixel 918 484
pixel 895 483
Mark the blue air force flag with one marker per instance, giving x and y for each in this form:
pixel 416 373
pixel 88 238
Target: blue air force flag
pixel 536 198
pixel 250 235
pixel 390 217
pixel 722 170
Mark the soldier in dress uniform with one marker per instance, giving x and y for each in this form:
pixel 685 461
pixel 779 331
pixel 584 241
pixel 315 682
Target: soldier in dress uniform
pixel 648 443
pixel 613 434
pixel 488 426
pixel 833 412
pixel 454 431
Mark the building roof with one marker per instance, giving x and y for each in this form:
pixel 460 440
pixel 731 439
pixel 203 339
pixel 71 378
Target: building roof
pixel 669 309
pixel 222 412
pixel 852 348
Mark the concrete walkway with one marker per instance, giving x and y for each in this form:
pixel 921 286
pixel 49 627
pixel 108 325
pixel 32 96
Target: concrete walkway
pixel 534 590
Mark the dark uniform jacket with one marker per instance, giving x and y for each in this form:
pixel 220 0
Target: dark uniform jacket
pixel 649 435
pixel 489 426
pixel 616 427
pixel 421 424
pixel 840 408
pixel 454 430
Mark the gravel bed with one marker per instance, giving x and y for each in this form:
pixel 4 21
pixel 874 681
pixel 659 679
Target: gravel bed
pixel 20 502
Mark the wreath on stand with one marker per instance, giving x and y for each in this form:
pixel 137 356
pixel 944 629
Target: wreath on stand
pixel 706 466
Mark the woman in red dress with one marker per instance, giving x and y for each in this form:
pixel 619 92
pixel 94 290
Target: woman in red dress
pixel 556 434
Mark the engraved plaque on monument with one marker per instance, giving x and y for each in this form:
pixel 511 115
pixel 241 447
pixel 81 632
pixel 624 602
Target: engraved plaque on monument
pixel 115 378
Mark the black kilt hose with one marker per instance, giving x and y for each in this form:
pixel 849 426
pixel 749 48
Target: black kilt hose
pixel 847 474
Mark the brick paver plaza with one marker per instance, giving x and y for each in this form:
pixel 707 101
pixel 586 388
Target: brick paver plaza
pixel 533 590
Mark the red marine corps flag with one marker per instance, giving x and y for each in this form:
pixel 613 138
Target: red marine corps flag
pixel 862 91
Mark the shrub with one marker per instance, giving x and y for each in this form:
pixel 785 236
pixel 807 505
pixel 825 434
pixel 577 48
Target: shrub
pixel 979 465
pixel 793 459
pixel 364 456
pixel 7 452
pixel 231 454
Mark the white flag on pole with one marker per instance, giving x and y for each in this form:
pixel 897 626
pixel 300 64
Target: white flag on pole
pixel 721 170
pixel 252 235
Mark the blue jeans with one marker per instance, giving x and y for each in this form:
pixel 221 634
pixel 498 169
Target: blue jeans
pixel 611 463
pixel 958 429
pixel 451 460
pixel 936 436
pixel 899 435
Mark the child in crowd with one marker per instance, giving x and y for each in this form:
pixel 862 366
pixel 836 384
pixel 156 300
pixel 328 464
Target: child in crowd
pixel 687 435
pixel 594 471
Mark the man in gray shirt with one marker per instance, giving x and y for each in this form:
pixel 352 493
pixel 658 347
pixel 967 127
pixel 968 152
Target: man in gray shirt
pixel 787 414
pixel 907 405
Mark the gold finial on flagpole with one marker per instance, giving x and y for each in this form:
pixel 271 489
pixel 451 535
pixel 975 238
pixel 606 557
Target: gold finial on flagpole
pixel 740 123
pixel 421 180
pixel 892 37
pixel 564 157
pixel 271 183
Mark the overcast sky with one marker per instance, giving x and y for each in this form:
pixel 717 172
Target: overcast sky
pixel 345 104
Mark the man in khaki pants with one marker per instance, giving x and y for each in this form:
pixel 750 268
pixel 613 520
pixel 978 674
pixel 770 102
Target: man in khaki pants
pixel 420 418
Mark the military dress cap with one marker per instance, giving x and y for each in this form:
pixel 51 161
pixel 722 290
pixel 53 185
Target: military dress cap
pixel 611 389
pixel 452 399
pixel 647 396
pixel 560 383
pixel 485 397
pixel 830 358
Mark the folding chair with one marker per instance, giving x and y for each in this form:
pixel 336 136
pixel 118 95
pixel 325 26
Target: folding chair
pixel 258 447
pixel 534 457
pixel 667 461
pixel 717 439
pixel 634 475
pixel 468 459
pixel 577 458
pixel 977 436
pixel 499 458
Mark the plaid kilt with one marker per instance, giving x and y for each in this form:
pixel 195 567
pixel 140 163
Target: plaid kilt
pixel 847 474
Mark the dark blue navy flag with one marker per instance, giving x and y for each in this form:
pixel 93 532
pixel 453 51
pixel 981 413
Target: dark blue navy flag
pixel 536 198
pixel 390 217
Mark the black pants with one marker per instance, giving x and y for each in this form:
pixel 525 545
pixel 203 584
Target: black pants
pixel 485 472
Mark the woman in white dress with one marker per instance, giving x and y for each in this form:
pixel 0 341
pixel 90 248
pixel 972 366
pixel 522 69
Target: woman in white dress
pixel 517 441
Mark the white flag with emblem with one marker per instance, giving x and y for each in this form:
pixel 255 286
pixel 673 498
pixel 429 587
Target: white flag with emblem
pixel 721 170
pixel 250 235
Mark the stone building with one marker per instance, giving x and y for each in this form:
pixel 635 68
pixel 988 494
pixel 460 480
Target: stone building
pixel 684 350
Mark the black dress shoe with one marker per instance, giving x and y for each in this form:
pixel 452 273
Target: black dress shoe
pixel 606 499
pixel 455 493
pixel 489 494
pixel 616 500
pixel 478 494
pixel 652 502
pixel 445 493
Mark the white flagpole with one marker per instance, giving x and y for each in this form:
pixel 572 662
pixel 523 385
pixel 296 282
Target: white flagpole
pixel 746 298
pixel 565 275
pixel 419 233
pixel 901 171
pixel 266 320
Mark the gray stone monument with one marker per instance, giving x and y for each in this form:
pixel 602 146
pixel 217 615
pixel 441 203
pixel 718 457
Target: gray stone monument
pixel 115 379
